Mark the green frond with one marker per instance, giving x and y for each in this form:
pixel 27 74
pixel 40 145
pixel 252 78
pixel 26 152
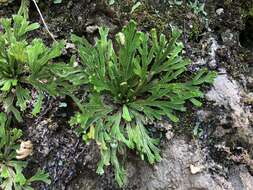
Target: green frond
pixel 12 170
pixel 25 66
pixel 131 83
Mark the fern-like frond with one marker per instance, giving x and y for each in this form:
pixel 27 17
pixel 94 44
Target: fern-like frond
pixel 25 66
pixel 131 83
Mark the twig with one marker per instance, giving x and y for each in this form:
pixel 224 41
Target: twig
pixel 43 21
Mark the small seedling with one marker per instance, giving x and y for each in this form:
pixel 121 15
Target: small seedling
pixel 198 7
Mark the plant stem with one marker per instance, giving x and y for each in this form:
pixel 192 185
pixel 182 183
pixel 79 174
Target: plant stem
pixel 23 10
pixel 43 20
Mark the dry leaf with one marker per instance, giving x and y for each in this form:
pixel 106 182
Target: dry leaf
pixel 25 150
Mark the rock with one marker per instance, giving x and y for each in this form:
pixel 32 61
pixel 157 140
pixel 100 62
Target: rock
pixel 226 92
pixel 208 57
pixel 196 169
pixel 58 149
pixel 172 173
pixel 227 36
pixel 92 29
pixel 173 170
pixel 219 11
pixel 169 135
pixel 86 184
pixel 241 178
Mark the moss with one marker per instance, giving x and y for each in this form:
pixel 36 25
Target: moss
pixel 5 2
pixel 196 30
pixel 150 20
pixel 250 13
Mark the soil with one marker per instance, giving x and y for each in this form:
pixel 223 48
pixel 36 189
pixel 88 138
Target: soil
pixel 216 139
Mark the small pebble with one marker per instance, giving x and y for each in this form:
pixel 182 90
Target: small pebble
pixel 219 11
pixel 91 29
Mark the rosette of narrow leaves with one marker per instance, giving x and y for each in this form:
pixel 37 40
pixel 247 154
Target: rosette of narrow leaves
pixel 25 66
pixel 11 169
pixel 135 85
